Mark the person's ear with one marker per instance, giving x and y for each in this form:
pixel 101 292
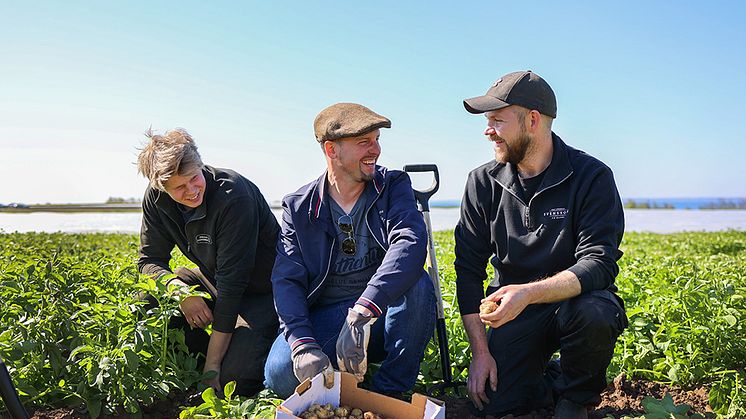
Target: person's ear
pixel 534 121
pixel 330 149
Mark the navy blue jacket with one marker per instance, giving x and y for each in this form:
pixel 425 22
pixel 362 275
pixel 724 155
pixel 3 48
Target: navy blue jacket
pixel 574 222
pixel 308 245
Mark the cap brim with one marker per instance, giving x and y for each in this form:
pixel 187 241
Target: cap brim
pixel 377 125
pixel 385 123
pixel 482 104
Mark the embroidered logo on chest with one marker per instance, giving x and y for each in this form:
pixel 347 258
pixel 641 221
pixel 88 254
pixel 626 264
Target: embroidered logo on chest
pixel 203 239
pixel 556 213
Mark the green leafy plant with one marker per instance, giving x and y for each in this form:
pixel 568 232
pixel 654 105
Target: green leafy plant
pixel 665 408
pixel 261 406
pixel 74 331
pixel 685 302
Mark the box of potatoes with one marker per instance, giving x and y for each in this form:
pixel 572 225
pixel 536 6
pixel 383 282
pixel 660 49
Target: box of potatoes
pixel 345 400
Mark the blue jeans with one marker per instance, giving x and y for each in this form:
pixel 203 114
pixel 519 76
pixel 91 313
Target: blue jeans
pixel 398 340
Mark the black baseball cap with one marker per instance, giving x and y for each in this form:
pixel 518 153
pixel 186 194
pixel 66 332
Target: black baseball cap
pixel 522 88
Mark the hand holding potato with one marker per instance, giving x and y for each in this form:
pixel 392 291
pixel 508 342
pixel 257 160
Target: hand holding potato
pixel 487 307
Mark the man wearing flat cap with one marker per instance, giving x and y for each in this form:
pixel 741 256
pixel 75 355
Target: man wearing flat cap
pixel 348 279
pixel 549 219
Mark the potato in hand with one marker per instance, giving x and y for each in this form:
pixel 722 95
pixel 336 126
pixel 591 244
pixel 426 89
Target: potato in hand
pixel 487 307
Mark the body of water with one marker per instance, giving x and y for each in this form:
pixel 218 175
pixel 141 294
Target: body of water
pixel 672 203
pixel 656 221
pixel 689 203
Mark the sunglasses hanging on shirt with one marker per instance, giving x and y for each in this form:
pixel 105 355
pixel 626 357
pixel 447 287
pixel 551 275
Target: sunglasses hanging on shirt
pixel 349 246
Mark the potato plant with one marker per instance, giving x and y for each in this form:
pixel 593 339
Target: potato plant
pixel 72 333
pixel 686 302
pixel 261 407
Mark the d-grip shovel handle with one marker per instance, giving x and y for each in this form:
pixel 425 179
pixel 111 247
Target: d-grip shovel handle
pixel 423 197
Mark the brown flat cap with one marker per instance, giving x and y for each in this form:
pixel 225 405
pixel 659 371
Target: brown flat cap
pixel 343 120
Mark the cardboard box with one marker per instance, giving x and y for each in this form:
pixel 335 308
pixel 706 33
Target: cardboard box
pixel 345 392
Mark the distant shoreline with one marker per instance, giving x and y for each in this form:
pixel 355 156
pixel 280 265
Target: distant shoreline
pixel 629 203
pixel 686 203
pixel 74 208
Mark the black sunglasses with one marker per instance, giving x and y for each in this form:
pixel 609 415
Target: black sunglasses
pixel 349 247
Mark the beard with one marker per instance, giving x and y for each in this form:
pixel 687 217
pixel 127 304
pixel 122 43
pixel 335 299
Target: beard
pixel 516 151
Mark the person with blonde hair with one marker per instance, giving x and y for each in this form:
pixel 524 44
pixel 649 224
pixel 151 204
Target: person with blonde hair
pixel 221 222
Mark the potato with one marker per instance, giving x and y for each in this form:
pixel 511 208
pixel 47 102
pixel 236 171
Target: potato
pixel 487 307
pixel 328 411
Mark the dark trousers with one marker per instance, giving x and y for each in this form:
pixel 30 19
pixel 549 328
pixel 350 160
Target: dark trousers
pixel 244 360
pixel 584 329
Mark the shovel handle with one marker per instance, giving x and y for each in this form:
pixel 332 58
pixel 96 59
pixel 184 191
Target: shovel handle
pixel 9 395
pixel 423 196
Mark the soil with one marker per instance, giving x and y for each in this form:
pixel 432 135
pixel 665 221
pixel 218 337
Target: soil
pixel 168 408
pixel 623 397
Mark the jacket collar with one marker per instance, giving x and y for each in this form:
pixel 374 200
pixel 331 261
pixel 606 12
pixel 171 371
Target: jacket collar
pixel 319 204
pixel 558 170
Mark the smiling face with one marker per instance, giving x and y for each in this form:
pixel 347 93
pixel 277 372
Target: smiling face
pixel 355 157
pixel 188 189
pixel 506 128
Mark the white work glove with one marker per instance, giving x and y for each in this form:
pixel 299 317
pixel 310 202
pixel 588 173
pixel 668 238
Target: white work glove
pixel 352 344
pixel 310 360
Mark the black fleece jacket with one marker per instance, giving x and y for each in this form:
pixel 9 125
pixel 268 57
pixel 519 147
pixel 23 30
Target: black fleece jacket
pixel 574 222
pixel 231 238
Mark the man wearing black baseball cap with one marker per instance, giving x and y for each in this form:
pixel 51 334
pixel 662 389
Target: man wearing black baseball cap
pixel 549 219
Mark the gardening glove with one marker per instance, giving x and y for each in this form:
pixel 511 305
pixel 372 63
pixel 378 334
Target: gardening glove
pixel 309 360
pixel 352 344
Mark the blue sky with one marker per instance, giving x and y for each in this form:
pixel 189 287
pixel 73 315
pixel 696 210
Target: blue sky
pixel 656 90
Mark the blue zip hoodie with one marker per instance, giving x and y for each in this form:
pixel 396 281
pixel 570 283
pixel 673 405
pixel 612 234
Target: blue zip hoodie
pixel 308 245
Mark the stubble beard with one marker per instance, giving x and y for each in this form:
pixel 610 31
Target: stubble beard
pixel 357 174
pixel 364 176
